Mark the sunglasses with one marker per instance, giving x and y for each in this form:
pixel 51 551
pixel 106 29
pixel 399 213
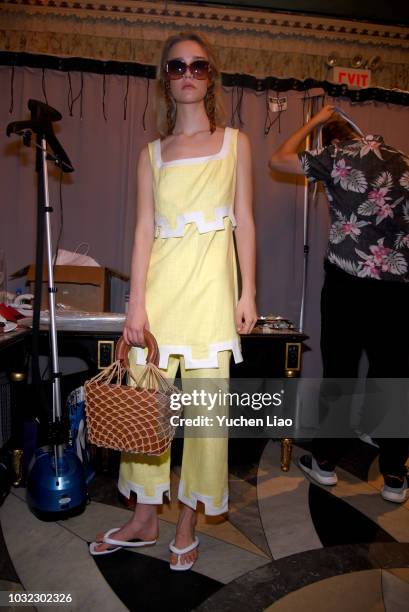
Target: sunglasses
pixel 199 69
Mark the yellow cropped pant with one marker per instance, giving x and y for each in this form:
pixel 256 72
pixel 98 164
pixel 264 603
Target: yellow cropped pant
pixel 204 475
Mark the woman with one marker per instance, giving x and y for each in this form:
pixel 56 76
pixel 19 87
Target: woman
pixel 193 187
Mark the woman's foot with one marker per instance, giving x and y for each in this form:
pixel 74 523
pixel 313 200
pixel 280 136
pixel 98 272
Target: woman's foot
pixel 145 527
pixel 185 535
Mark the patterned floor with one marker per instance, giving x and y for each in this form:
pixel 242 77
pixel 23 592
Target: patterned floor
pixel 286 544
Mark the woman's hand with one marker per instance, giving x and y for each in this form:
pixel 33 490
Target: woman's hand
pixel 136 322
pixel 246 314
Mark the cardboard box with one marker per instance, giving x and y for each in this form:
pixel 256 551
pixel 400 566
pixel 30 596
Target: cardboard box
pixel 81 287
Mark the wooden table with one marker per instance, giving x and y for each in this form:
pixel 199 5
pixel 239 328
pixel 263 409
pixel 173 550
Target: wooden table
pixel 266 354
pixel 272 354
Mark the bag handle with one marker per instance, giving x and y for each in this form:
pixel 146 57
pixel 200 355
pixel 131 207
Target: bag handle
pixel 122 349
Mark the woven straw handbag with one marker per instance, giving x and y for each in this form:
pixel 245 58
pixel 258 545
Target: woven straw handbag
pixel 132 418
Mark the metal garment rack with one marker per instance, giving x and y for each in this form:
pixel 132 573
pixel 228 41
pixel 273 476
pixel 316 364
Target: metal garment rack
pixel 40 125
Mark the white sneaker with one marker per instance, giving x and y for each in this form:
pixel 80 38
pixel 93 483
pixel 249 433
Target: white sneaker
pixel 394 489
pixel 309 465
pixel 367 439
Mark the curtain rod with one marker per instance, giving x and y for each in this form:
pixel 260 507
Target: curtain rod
pixel 278 84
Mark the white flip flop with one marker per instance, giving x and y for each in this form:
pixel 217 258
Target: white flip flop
pixel 125 543
pixel 108 551
pixel 181 551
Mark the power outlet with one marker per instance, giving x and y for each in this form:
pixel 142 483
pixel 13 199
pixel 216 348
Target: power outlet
pixel 105 353
pixel 293 356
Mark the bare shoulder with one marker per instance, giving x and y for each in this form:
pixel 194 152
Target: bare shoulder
pixel 243 145
pixel 167 139
pixel 243 139
pixel 144 166
pixel 144 181
pixel 144 154
pixel 144 160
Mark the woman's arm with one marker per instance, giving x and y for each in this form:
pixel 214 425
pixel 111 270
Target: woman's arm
pixel 137 318
pixel 246 310
pixel 285 158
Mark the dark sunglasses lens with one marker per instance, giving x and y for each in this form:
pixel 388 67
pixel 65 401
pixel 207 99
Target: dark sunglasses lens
pixel 200 69
pixel 176 69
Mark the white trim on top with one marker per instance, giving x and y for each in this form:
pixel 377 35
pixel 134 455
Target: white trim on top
pixel 165 350
pixel 163 229
pixel 194 160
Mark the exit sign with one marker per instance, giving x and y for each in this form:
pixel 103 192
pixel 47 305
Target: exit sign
pixel 355 78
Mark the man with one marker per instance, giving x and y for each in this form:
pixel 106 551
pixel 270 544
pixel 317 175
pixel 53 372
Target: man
pixel 365 296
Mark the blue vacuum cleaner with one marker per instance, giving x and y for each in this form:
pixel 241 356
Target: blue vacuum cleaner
pixel 56 486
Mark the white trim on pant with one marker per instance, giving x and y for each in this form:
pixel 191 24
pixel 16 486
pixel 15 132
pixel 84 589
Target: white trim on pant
pixel 125 487
pixel 207 500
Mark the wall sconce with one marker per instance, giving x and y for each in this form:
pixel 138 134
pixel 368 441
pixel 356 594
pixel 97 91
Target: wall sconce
pixel 357 61
pixel 332 60
pixel 375 63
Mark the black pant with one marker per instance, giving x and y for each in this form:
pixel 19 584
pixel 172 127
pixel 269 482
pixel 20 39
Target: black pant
pixel 361 314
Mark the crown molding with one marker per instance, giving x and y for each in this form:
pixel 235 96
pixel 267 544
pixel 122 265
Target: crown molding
pixel 259 43
pixel 223 20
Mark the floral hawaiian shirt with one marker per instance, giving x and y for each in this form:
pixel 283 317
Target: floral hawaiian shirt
pixel 367 186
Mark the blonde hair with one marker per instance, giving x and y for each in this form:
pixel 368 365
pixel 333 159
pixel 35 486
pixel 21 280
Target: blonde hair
pixel 165 104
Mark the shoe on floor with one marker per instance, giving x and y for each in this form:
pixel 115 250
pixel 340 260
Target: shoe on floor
pixel 136 543
pixel 367 439
pixel 394 488
pixel 181 551
pixel 116 544
pixel 108 551
pixel 309 465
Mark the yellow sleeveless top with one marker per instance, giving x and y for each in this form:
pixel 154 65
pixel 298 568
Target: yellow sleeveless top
pixel 191 286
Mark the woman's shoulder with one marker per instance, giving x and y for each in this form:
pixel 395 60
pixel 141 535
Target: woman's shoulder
pixel 243 148
pixel 242 137
pixel 165 140
pixel 243 142
pixel 144 151
pixel 152 143
pixel 145 156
